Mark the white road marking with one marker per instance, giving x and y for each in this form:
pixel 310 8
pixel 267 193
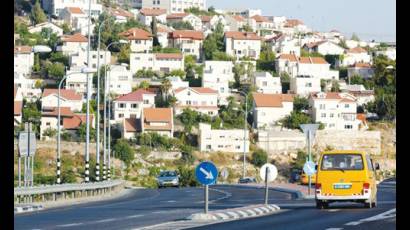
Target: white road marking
pixel 333 210
pixel 171 201
pixel 105 220
pixel 334 228
pixel 69 225
pixel 134 216
pixel 385 215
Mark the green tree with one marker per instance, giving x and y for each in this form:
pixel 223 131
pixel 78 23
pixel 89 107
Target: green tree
pixel 49 132
pixel 181 25
pixel 124 55
pixel 37 14
pixel 55 70
pixel 246 28
pixel 335 87
pixel 144 85
pixel 300 103
pixel 66 28
pixel 36 66
pixel 259 157
pixel 209 47
pixel 239 70
pixel 81 132
pixel 266 61
pixel 124 151
pixel 154 30
pixel 285 82
pixel 165 87
pixel 355 37
pixel 177 72
pixel 59 57
pixel 188 118
pixel 295 119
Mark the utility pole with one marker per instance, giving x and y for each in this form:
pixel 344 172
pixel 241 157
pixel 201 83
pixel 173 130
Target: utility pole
pixel 87 145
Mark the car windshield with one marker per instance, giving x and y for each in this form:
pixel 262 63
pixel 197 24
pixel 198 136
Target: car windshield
pixel 342 162
pixel 167 174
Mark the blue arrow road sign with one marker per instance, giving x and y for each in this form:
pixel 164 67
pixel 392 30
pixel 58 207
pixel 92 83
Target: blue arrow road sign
pixel 206 173
pixel 309 168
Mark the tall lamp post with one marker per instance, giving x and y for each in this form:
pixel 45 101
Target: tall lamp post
pixel 244 130
pixel 83 70
pixel 106 89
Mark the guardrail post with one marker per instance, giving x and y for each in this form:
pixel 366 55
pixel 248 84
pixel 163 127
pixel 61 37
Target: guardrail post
pixel 54 196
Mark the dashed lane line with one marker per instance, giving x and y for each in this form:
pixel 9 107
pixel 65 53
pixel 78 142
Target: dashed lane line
pixel 385 215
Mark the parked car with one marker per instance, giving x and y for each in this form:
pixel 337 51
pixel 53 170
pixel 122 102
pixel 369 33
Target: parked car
pixel 247 180
pixel 295 175
pixel 168 178
pixel 304 179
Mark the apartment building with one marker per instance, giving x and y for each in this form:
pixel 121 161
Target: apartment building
pixel 303 85
pixel 23 60
pixel 141 41
pixel 119 80
pixel 200 99
pixel 78 59
pixel 266 83
pixel 54 7
pixel 224 140
pixel 131 105
pixel 217 75
pixel 174 6
pixel 242 44
pixel 164 62
pixel 188 41
pixel 73 44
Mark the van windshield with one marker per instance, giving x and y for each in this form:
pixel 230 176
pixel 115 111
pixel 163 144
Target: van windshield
pixel 342 162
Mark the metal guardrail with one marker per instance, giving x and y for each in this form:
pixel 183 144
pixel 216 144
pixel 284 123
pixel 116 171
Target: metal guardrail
pixel 65 188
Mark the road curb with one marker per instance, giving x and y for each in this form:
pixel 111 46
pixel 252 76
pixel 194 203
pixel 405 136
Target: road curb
pixel 27 208
pixel 235 213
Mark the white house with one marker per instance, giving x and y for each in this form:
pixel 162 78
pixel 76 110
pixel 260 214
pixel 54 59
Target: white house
pixel 26 88
pixel 188 41
pixel 242 44
pixel 177 82
pixel 304 85
pixel 362 95
pixel 337 111
pixel 174 6
pixel 200 99
pixel 266 83
pixel 72 44
pixel 119 80
pixel 141 40
pixel 224 140
pixel 364 70
pixel 194 20
pixel 324 47
pixel 158 120
pixel 131 105
pixel 162 33
pixel 268 109
pixel 54 7
pixel 293 26
pixel 210 22
pixel 313 66
pixel 390 52
pixel 68 98
pixel 164 62
pixel 146 14
pixel 76 81
pixel 23 60
pixel 76 18
pixel 121 15
pixel 283 44
pixel 262 24
pixel 355 55
pixel 78 59
pixel 234 22
pixel 46 25
pixel 217 75
pixel 18 107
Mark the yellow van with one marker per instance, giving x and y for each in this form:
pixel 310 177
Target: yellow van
pixel 345 175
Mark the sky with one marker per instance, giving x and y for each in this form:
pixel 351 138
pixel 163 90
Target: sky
pixel 369 19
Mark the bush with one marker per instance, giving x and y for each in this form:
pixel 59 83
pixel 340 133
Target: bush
pixel 124 151
pixel 259 157
pixel 68 177
pixel 49 132
pixel 187 176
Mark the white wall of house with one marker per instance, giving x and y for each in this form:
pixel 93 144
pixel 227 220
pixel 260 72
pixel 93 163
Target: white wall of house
pixel 145 61
pixel 366 73
pixel 390 53
pixel 52 101
pixel 201 102
pixel 195 21
pixel 217 75
pixel 132 109
pixel 243 48
pixel 120 79
pixel 39 27
pixel 321 71
pixel 266 117
pixel 303 86
pixel 78 59
pixel 352 58
pixel 187 46
pixel 329 48
pixel 147 20
pixel 76 81
pixel 23 63
pixel 141 46
pixel 176 82
pixel 54 7
pixel 233 24
pixel 48 122
pixel 266 83
pixel 232 140
pixel 174 6
pixel 71 48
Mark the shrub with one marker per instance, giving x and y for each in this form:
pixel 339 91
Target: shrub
pixel 259 157
pixel 187 176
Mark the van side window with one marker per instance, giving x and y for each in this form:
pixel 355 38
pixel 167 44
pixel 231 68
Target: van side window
pixel 369 163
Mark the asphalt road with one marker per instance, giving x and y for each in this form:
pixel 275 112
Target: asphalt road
pixel 143 207
pixel 296 215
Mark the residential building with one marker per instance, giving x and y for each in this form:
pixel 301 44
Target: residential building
pixel 210 22
pixel 200 99
pixel 120 80
pixel 192 19
pixel 268 109
pixel 158 120
pixel 224 140
pixel 324 47
pixel 355 55
pixel 141 40
pixel 77 60
pixel 304 85
pixel 362 95
pixel 188 41
pixel 365 70
pixel 130 128
pixel 294 26
pixel 68 98
pixel 46 25
pixel 217 75
pixel 23 60
pixel 263 25
pixel 136 4
pixel 26 88
pixel 266 83
pixel 131 105
pixel 76 18
pixel 18 107
pixel 164 62
pixel 76 81
pixel 337 111
pixel 73 44
pixel 121 15
pixel 282 44
pixel 242 44
pixel 390 52
pixel 69 121
pixel 177 82
pixel 316 67
pixel 146 14
pixel 234 22
pixel 162 34
pixel 174 6
pixel 54 7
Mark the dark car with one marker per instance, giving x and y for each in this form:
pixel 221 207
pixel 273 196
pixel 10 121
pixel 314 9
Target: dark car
pixel 295 175
pixel 247 180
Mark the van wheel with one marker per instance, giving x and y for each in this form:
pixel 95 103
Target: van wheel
pixel 321 205
pixel 374 204
pixel 368 203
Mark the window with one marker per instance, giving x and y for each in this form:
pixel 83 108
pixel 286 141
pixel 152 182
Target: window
pixel 188 102
pixel 48 123
pixel 137 58
pixel 210 113
pixel 322 106
pixel 221 136
pixel 94 66
pixel 208 146
pixel 323 115
pixel 238 147
pixel 134 105
pixel 134 116
pixel 331 125
pixel 346 105
pixel 146 102
pixel 222 90
pixel 189 93
pixel 123 78
pixel 342 161
pixel 369 163
pixel 348 127
pixel 121 115
pixel 121 105
pixel 309 84
pixel 265 83
pixel 220 146
pixel 94 56
pixel 331 115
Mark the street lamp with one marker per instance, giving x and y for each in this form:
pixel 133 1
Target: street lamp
pixel 244 129
pixel 83 70
pixel 106 86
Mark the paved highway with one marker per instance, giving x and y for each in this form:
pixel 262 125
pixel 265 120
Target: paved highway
pixel 296 215
pixel 146 207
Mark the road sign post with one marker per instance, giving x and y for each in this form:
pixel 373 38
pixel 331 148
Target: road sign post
pixel 206 173
pixel 27 149
pixel 309 130
pixel 268 173
pixel 225 174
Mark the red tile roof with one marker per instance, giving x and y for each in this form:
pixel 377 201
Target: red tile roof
pixel 68 94
pixel 75 10
pixel 18 106
pixel 134 96
pixel 75 121
pixel 200 90
pixel 271 100
pixel 312 60
pixel 290 57
pixel 357 50
pixel 259 18
pixel 242 35
pixel 78 37
pixel 152 12
pixel 164 29
pixel 190 34
pixel 361 65
pixel 314 44
pixel 293 22
pixel 169 55
pixel 176 16
pixel 157 115
pixel 121 12
pixel 205 18
pixel 53 112
pixel 131 124
pixel 22 49
pixel 238 18
pixel 136 34
pixel 328 95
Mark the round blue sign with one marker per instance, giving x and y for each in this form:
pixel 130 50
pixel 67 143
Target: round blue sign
pixel 206 173
pixel 309 168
